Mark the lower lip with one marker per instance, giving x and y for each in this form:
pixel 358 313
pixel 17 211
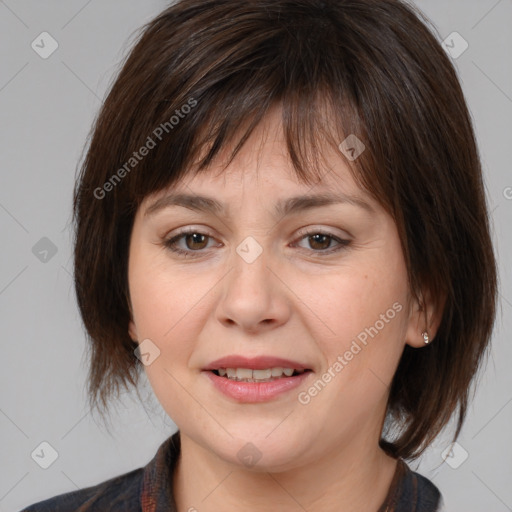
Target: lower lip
pixel 254 392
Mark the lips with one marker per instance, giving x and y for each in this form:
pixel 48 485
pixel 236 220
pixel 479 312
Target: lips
pixel 256 389
pixel 254 392
pixel 255 363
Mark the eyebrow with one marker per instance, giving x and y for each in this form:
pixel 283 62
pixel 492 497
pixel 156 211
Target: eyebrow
pixel 282 209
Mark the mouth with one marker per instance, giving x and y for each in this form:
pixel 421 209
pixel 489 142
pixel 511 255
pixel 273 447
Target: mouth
pixel 256 379
pixel 258 375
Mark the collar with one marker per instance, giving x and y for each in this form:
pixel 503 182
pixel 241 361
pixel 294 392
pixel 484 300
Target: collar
pixel 406 489
pixel 157 492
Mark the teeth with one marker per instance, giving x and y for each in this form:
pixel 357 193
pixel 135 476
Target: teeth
pixel 243 373
pixel 249 375
pixel 259 374
pixel 277 372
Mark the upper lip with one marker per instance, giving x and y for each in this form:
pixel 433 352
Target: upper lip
pixel 255 363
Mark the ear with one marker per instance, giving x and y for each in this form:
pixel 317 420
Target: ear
pixel 423 317
pixel 132 331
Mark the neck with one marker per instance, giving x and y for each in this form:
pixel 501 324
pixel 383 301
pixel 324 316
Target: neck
pixel 354 477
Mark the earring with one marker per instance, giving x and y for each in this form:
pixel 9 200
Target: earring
pixel 425 337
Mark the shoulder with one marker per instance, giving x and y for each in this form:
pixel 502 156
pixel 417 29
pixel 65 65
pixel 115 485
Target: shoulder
pixel 411 491
pixel 124 493
pixel 428 496
pixel 421 492
pixel 120 493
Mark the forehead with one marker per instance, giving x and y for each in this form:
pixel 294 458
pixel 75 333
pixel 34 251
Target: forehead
pixel 280 199
pixel 214 192
pixel 263 164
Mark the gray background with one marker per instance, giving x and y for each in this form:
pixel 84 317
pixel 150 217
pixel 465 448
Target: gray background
pixel 47 107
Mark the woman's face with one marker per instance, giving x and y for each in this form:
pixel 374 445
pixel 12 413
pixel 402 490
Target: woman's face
pixel 322 286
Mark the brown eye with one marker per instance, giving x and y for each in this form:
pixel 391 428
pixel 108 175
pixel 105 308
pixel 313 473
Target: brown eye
pixel 189 243
pixel 194 244
pixel 322 243
pixel 196 241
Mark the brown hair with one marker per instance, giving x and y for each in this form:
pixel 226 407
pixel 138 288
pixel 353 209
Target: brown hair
pixel 204 73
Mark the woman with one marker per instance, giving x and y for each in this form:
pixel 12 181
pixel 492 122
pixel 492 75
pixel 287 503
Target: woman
pixel 281 219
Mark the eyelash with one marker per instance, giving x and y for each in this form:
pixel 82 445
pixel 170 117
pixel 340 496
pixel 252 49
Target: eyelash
pixel 171 243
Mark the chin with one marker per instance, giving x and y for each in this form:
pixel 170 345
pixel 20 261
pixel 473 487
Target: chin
pixel 255 450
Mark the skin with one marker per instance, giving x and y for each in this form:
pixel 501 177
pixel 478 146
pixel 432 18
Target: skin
pixel 294 301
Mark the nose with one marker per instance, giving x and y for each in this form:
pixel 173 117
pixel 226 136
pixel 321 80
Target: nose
pixel 254 297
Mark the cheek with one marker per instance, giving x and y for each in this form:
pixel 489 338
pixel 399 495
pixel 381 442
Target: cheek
pixel 366 317
pixel 167 310
pixel 356 298
pixel 162 300
pixel 170 307
pixel 360 315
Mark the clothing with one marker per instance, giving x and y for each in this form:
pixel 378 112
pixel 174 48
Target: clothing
pixel 149 489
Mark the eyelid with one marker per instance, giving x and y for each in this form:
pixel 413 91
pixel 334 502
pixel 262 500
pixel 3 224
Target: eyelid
pixel 311 231
pixel 314 229
pixel 342 243
pixel 308 230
